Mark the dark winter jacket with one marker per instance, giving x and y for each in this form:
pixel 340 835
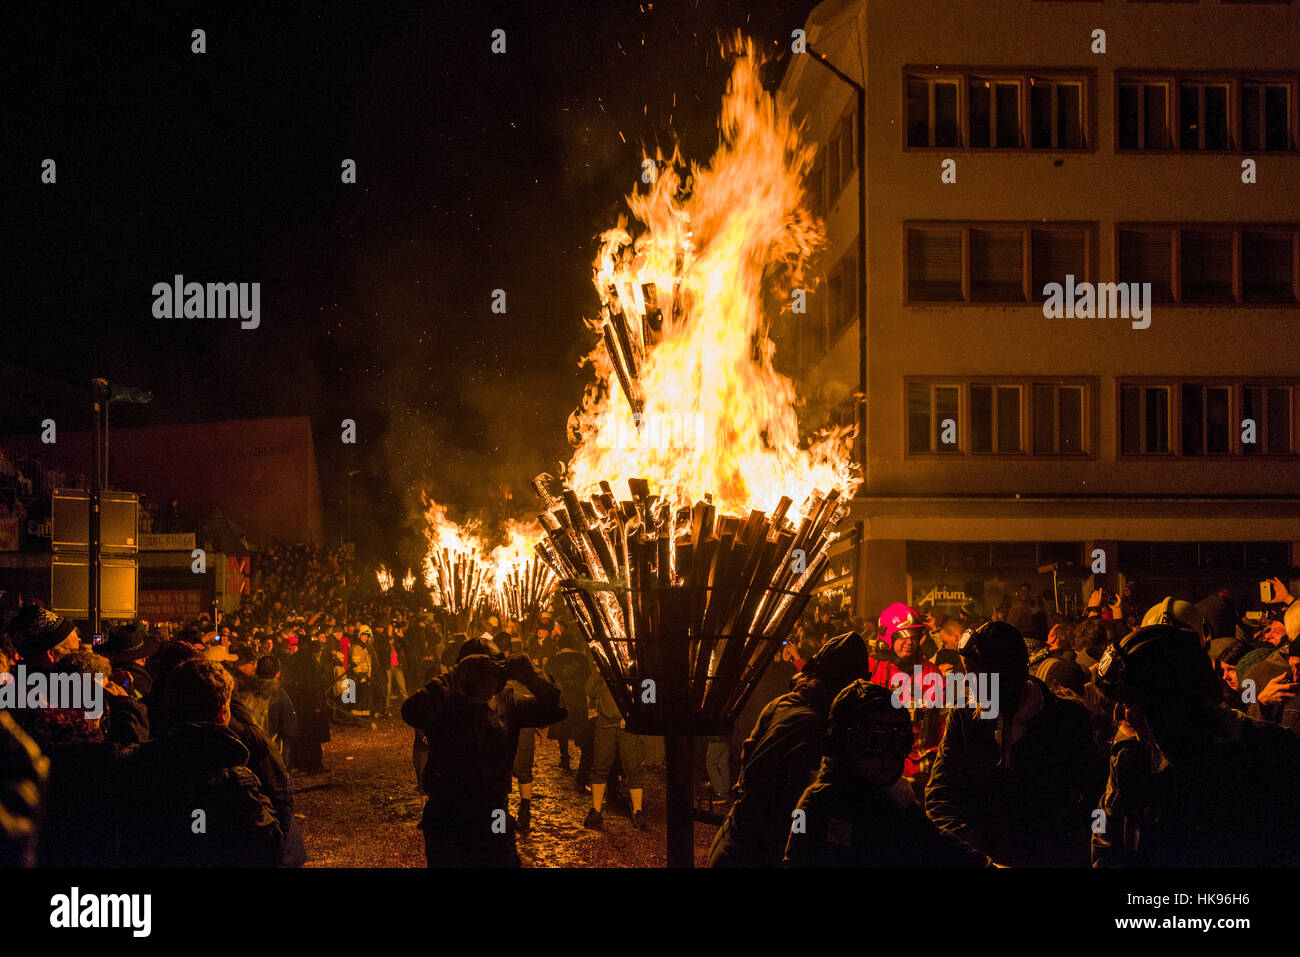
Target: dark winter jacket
pixel 570 668
pixel 848 823
pixel 778 762
pixel 1034 811
pixel 1233 805
pixel 471 751
pixel 197 767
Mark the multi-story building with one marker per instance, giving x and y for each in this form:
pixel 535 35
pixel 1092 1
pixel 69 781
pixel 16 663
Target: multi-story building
pixel 1009 145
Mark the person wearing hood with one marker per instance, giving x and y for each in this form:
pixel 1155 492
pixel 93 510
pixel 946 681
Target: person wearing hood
pixel 1019 782
pixel 859 812
pixel 1199 785
pixel 471 721
pixel 198 764
pixel 781 755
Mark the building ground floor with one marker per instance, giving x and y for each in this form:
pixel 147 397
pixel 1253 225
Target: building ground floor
pixel 950 551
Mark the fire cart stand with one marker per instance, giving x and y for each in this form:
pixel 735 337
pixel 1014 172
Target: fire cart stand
pixel 683 610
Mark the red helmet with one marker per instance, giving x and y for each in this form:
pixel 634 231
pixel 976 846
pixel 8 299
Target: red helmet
pixel 899 617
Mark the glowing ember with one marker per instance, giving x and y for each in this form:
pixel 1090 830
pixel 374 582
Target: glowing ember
pixel 684 331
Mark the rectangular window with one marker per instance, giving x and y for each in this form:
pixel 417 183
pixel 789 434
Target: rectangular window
pixel 932 112
pixel 1265 116
pixel 997 265
pixel 1205 266
pixel 995 418
pixel 1058 419
pixel 1143 115
pixel 934 265
pixel 1144 420
pixel 1268 265
pixel 1203 116
pixel 1055 254
pixel 1146 255
pixel 932 418
pixel 844 292
pixel 994 113
pixel 1266 419
pixel 1055 114
pixel 1206 425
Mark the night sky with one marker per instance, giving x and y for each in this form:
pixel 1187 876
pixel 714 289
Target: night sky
pixel 475 171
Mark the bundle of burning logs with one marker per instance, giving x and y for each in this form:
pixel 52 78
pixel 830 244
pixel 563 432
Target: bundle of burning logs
pixel 522 589
pixel 458 579
pixel 694 602
pixel 628 337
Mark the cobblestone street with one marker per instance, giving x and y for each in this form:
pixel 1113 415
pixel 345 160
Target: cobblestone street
pixel 363 810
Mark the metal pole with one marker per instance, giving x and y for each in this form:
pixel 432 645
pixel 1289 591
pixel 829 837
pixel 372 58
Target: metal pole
pixel 99 407
pixel 680 756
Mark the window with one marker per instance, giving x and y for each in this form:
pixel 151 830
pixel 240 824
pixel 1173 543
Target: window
pixel 977 111
pixel 1203 116
pixel 1055 254
pixel 1007 416
pixel 1268 265
pixel 843 292
pixel 932 418
pixel 994 113
pixel 1216 263
pixel 1146 255
pixel 841 152
pixel 1056 114
pixel 1268 410
pixel 932 118
pixel 1206 422
pixel 1265 116
pixel 1204 112
pixel 995 418
pixel 1144 420
pixel 1205 266
pixel 934 265
pixel 1143 115
pixel 990 262
pixel 997 261
pixel 1212 418
pixel 1058 419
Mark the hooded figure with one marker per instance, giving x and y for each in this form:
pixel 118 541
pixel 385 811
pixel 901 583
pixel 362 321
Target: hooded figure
pixel 781 755
pixel 1019 786
pixel 858 813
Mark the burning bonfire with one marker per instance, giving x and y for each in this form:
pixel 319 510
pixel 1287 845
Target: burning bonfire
pixel 522 582
pixel 457 575
pixel 671 530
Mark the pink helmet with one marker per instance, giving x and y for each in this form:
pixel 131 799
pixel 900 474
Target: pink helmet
pixel 899 617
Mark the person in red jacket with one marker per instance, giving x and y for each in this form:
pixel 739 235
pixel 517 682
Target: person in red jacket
pixel 897 663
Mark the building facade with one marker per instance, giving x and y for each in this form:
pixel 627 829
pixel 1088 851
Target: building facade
pixel 1141 419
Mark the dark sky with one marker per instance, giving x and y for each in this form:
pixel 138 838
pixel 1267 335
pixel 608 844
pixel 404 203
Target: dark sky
pixel 475 172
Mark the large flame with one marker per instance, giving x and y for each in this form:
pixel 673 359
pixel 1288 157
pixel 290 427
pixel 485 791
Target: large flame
pixel 454 569
pixel 717 417
pixel 522 582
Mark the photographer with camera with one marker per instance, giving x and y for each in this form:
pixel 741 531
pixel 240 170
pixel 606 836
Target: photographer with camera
pixel 471 719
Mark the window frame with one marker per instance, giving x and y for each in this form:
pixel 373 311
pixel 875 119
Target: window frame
pixel 1234 81
pixel 1237 231
pixel 1026 228
pixel 1236 387
pixel 1089 426
pixel 964 75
